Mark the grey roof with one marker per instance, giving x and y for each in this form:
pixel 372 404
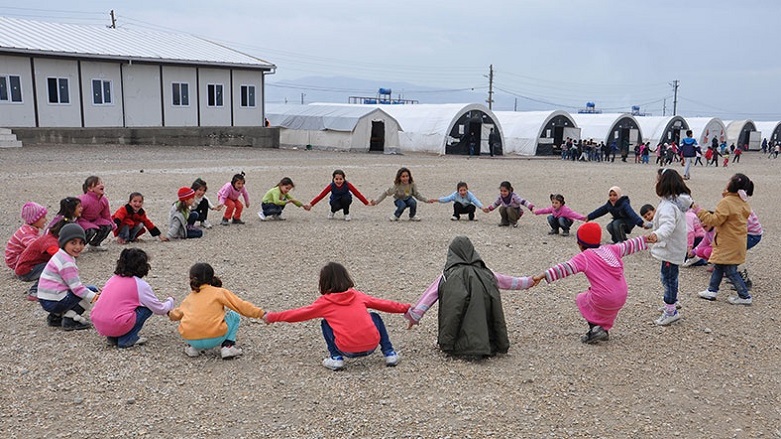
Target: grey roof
pixel 321 117
pixel 101 42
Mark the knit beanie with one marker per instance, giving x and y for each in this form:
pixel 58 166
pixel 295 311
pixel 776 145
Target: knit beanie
pixel 185 193
pixel 615 189
pixel 590 235
pixel 69 232
pixel 32 212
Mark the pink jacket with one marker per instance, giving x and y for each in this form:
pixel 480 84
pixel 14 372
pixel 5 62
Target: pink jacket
pixel 693 228
pixel 114 314
pixel 705 247
pixel 228 192
pixel 563 211
pixel 95 213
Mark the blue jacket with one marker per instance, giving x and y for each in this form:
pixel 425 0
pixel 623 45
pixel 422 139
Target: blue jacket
pixel 689 147
pixel 621 210
pixel 469 199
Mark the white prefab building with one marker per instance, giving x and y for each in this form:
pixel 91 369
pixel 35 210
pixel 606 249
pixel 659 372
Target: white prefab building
pixel 704 129
pixel 743 132
pixel 770 131
pixel 67 75
pixel 339 127
pixel 621 128
pixel 536 132
pixel 662 129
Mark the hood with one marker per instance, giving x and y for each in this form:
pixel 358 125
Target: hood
pixel 462 252
pixel 344 298
pixel 621 200
pixel 683 202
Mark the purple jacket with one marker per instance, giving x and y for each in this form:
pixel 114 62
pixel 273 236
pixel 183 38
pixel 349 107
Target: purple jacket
pixel 95 213
pixel 563 211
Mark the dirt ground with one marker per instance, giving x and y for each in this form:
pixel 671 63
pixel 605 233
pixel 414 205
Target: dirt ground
pixel 715 373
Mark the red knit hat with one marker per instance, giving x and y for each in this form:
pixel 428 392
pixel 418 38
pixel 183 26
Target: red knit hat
pixel 590 235
pixel 185 193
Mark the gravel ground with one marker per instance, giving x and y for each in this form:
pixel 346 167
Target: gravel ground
pixel 715 373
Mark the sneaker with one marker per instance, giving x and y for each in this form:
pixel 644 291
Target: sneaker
pixel 97 248
pixel 666 319
pixel 564 233
pixel 54 320
pixel 454 218
pixel 333 363
pixel 707 295
pixel 677 306
pixel 553 232
pixel 32 297
pixel 392 359
pixel 414 218
pixel 140 342
pixel 330 215
pixel 206 224
pixel 69 324
pixel 393 218
pixel 736 300
pixel 262 216
pixel 224 222
pixel 230 352
pixel 191 351
pixel 515 225
pixel 595 335
pixel 238 221
pixel 347 217
pixel 690 261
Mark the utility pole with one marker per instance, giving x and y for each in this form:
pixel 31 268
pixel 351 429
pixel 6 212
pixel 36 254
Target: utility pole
pixel 515 106
pixel 113 20
pixel 675 85
pixel 664 107
pixel 490 87
pixel 302 98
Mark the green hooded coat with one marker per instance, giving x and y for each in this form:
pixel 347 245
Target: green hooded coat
pixel 471 319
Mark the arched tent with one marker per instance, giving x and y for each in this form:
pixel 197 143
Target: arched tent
pixel 536 132
pixel 705 128
pixel 355 128
pixel 743 132
pixel 770 131
pixel 662 129
pixel 608 127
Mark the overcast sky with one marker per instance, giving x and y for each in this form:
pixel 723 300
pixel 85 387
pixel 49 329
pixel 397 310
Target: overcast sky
pixel 616 53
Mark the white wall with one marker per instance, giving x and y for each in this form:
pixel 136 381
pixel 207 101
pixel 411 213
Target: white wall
pixel 107 114
pixel 215 116
pixel 247 116
pixel 18 114
pixel 181 116
pixel 57 115
pixel 142 95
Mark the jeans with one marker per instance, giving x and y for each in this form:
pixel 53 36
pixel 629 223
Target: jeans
pixel 687 166
pixel 403 204
pixel 670 282
pixel 271 209
pixel 555 223
pixel 731 271
pixel 192 231
pixel 96 236
pixel 130 235
pixel 342 203
pixel 129 339
pixel 618 228
pixel 33 277
pixel 330 340
pixel 463 209
pixel 751 241
pixel 232 319
pixel 70 302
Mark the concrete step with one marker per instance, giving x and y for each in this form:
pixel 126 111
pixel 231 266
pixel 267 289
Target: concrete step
pixel 8 136
pixel 11 144
pixel 8 139
pixel 5 131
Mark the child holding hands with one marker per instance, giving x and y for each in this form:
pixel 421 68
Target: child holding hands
pixel 341 198
pixel 404 192
pixel 561 216
pixel 277 198
pixel 228 196
pixel 464 202
pixel 509 204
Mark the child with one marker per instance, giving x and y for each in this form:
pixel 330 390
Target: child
pixel 70 211
pixel 403 191
pixel 127 301
pixel 694 235
pixel 203 321
pixel 624 217
pixel 131 221
pixel 464 202
pixel 202 204
pixel 228 196
pixel 604 268
pixel 730 242
pixel 95 216
pixel 647 211
pixel 341 197
pixel 348 328
pixel 34 216
pixel 471 318
pixel 34 258
pixel 702 251
pixel 509 204
pixel 725 154
pixel 669 237
pixel 754 230
pixel 560 216
pixel 275 200
pixel 181 221
pixel 60 291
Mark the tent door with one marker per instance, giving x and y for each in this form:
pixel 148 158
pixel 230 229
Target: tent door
pixel 377 139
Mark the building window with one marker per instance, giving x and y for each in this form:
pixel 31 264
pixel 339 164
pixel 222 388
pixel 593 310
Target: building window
pixel 101 92
pixel 58 90
pixel 181 94
pixel 10 88
pixel 214 92
pixel 248 96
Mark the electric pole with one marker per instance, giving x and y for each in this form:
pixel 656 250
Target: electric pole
pixel 113 20
pixel 302 98
pixel 490 86
pixel 664 107
pixel 675 85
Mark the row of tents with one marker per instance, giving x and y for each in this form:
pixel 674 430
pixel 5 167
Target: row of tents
pixel 447 128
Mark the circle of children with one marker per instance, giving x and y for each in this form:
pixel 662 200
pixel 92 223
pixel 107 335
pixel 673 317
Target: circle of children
pixel 471 320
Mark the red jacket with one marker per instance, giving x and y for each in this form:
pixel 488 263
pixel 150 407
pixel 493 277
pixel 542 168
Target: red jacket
pixel 124 216
pixel 39 251
pixel 346 313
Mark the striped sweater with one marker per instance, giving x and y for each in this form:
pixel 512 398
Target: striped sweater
pixel 608 267
pixel 23 237
pixel 60 276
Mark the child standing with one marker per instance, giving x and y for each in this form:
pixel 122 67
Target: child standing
pixel 624 217
pixel 275 200
pixel 464 202
pixel 348 328
pixel 509 204
pixel 228 196
pixel 669 237
pixel 404 192
pixel 730 242
pixel 34 216
pixel 181 220
pixel 202 204
pixel 34 258
pixel 127 301
pixel 203 321
pixel 725 154
pixel 561 216
pixel 341 198
pixel 604 268
pixel 132 222
pixel 60 291
pixel 95 216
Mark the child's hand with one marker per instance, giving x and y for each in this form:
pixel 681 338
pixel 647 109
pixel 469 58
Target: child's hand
pixel 164 238
pixel 651 238
pixel 538 278
pixel 486 210
pixel 432 200
pixel 307 207
pixel 219 207
pixel 372 203
pixel 265 320
pixel 247 206
pixel 95 298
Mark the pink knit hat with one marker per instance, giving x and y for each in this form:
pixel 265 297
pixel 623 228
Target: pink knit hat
pixel 32 212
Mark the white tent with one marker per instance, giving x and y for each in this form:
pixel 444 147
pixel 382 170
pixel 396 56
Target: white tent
pixel 524 130
pixel 356 128
pixel 705 128
pixel 770 131
pixel 606 127
pixel 660 129
pixel 742 132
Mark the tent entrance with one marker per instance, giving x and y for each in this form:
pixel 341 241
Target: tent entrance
pixel 377 138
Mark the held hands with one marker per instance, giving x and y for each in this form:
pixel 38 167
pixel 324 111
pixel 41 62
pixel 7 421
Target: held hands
pixel 164 238
pixel 651 238
pixel 95 298
pixel 219 207
pixel 307 207
pixel 265 320
pixel 538 278
pixel 372 203
pixel 486 210
pixel 431 200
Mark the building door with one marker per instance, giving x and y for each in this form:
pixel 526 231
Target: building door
pixel 377 139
